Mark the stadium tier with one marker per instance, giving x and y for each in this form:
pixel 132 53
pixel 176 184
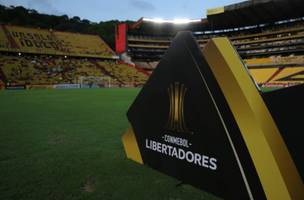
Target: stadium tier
pixel 277 71
pixel 34 58
pixel 45 70
pixel 271 41
pixel 257 35
pixel 48 70
pixel 125 73
pixel 50 42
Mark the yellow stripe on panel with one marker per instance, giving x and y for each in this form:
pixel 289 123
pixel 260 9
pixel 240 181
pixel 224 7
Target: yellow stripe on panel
pixel 131 146
pixel 183 116
pixel 275 167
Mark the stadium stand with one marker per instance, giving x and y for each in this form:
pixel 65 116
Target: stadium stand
pixel 78 44
pixel 44 69
pixel 49 70
pixel 125 73
pixel 271 43
pixel 38 57
pixel 277 71
pixel 41 41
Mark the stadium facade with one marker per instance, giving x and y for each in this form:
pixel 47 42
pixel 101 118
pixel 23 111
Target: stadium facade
pixel 267 34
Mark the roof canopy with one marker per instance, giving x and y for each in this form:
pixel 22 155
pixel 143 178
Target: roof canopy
pixel 254 12
pixel 247 13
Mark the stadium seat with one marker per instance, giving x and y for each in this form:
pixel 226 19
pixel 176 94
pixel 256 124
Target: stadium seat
pixel 49 42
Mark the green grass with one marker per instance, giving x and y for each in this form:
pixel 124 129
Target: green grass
pixel 66 144
pixel 270 89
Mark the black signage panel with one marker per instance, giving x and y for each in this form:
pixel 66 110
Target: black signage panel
pixel 201 119
pixel 180 128
pixel 287 109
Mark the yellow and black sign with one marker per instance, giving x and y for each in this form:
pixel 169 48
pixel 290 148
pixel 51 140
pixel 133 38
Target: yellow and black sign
pixel 201 119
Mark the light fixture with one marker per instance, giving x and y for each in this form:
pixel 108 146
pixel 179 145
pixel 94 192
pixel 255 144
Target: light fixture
pixel 174 21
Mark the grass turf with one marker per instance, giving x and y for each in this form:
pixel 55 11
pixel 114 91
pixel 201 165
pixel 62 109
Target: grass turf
pixel 66 144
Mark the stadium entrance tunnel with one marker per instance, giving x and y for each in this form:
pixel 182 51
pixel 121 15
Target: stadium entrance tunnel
pixel 202 119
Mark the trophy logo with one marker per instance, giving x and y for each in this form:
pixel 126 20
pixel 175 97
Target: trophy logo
pixel 176 120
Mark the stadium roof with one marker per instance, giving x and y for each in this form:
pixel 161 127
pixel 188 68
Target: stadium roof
pixel 254 12
pixel 247 13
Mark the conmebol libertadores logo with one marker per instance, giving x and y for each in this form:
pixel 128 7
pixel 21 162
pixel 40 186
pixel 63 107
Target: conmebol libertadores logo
pixel 176 120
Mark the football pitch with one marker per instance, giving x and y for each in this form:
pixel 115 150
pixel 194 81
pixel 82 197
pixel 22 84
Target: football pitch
pixel 66 144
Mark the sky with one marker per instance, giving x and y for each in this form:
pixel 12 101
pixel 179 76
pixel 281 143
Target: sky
pixel 103 10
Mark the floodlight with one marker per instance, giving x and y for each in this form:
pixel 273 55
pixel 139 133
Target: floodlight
pixel 174 21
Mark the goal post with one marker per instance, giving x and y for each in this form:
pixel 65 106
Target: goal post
pixel 95 81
